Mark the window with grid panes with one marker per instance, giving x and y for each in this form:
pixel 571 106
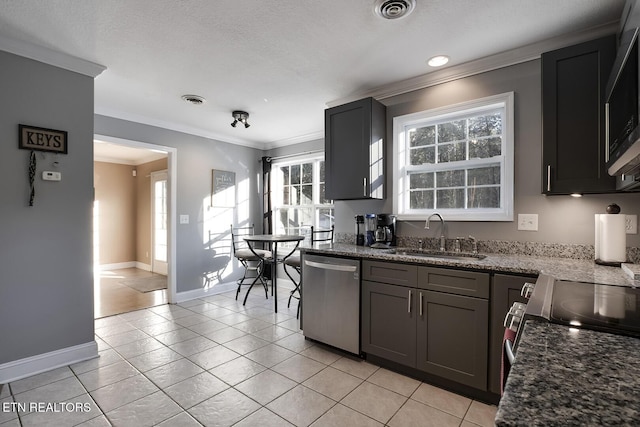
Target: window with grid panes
pixel 456 160
pixel 298 196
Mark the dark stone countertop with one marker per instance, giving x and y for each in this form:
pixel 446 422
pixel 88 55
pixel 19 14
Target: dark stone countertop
pixel 579 270
pixel 565 376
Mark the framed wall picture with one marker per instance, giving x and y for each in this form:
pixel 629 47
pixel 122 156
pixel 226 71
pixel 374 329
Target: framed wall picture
pixel 223 189
pixel 41 139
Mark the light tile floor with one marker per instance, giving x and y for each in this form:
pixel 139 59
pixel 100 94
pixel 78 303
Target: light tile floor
pixel 213 362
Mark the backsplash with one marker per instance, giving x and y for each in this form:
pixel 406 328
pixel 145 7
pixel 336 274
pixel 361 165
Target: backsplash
pixel 538 249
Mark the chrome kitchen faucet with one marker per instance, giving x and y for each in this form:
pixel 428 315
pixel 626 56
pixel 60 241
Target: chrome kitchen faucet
pixel 442 238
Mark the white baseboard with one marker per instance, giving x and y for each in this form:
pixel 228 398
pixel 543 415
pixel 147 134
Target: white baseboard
pixel 143 266
pixel 117 266
pixel 201 293
pixel 33 365
pixel 128 264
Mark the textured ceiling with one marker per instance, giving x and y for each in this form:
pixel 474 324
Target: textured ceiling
pixel 282 61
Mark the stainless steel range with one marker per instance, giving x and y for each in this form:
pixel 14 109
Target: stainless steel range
pixel 605 308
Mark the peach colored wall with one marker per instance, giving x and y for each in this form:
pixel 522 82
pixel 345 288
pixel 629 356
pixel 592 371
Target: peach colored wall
pixel 115 194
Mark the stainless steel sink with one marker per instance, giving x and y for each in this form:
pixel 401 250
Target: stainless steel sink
pixel 443 255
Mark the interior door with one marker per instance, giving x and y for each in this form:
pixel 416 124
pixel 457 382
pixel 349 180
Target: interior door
pixel 159 221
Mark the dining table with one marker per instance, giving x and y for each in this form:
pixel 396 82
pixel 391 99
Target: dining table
pixel 273 240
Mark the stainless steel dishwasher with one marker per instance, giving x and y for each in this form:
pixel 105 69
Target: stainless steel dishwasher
pixel 331 301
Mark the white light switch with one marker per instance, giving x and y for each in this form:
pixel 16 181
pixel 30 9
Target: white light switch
pixel 51 176
pixel 184 219
pixel 528 222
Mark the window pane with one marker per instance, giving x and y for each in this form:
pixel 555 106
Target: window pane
pixel 453 178
pixel 325 217
pixel 484 176
pixel 452 152
pixel 294 195
pixel 422 136
pixel 421 199
pixel 485 148
pixel 451 131
pixel 421 180
pixel 295 174
pixel 307 195
pixel 488 125
pixel 285 195
pixel 307 173
pixel 421 156
pixel 450 199
pixel 285 174
pixel 323 200
pixel 484 197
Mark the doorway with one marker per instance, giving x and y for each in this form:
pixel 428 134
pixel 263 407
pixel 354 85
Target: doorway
pixel 159 215
pixel 151 250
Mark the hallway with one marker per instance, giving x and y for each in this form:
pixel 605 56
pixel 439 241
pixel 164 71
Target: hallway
pixel 111 297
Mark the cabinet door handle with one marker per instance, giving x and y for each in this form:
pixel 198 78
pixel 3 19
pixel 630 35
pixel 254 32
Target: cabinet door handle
pixel 606 132
pixel 548 177
pixel 409 305
pixel 364 186
pixel 420 304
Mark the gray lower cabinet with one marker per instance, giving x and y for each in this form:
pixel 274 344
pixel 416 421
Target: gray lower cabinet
pixel 389 322
pixel 441 333
pixel 453 337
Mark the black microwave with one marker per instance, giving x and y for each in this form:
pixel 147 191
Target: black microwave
pixel 621 109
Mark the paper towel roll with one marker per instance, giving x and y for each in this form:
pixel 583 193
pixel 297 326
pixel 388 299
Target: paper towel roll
pixel 611 238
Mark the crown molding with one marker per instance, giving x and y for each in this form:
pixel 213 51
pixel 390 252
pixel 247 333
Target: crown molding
pixel 120 115
pixel 504 59
pixel 51 57
pixel 294 140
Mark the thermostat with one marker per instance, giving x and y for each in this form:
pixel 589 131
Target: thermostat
pixel 51 176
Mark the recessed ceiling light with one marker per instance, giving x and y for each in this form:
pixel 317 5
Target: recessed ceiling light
pixel 438 61
pixel 194 99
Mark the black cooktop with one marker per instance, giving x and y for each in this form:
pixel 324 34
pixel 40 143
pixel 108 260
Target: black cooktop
pixel 607 308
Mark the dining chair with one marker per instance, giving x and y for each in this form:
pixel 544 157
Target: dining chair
pixel 252 261
pixel 316 235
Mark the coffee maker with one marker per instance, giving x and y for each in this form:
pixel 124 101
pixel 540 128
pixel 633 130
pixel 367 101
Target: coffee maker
pixel 385 234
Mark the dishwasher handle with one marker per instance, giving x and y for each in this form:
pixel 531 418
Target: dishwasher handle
pixel 335 267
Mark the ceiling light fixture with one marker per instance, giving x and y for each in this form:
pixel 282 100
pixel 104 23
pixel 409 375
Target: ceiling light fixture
pixel 438 61
pixel 394 9
pixel 194 99
pixel 240 116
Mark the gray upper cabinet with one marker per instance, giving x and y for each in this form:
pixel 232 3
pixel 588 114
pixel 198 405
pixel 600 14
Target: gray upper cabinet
pixel 354 150
pixel 573 122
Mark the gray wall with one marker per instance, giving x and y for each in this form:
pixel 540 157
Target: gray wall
pixel 46 280
pixel 561 219
pixel 197 157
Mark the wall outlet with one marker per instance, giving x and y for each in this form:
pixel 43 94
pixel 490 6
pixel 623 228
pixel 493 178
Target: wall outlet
pixel 528 222
pixel 631 224
pixel 184 219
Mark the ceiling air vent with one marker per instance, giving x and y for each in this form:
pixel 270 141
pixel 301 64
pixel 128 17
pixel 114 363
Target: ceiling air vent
pixel 193 99
pixel 394 9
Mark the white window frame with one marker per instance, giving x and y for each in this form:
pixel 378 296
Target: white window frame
pixel 401 165
pixel 316 205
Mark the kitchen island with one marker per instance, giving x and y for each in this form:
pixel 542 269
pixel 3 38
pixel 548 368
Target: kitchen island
pixel 566 376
